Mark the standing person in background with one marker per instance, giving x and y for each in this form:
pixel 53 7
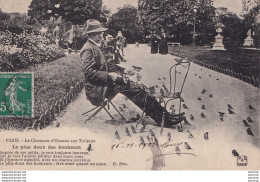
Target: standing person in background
pixel 120 41
pixel 56 34
pixel 71 34
pixel 154 43
pixel 163 47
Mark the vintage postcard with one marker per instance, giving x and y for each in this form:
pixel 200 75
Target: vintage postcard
pixel 129 85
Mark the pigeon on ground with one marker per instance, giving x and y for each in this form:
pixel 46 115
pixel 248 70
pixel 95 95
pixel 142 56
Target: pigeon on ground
pixel 203 115
pixel 251 107
pixel 203 107
pixel 203 91
pixel 182 100
pixel 124 106
pixel 249 132
pixel 191 117
pixel 190 135
pixel 185 107
pixel 148 138
pixel 57 125
pixel 246 123
pixel 142 129
pixel 221 118
pixel 179 129
pixel 164 78
pixel 169 136
pixel 186 122
pixel 221 114
pixel 172 107
pixel 210 95
pixel 249 120
pixel 177 150
pixel 117 135
pixel 127 132
pixel 231 112
pixel 151 132
pixel 121 109
pixel 195 74
pixel 199 77
pixel 133 129
pixel 199 98
pixel 235 154
pixel 209 75
pixel 156 86
pixel 159 78
pixel 187 146
pixel 142 141
pixel 137 68
pixel 206 135
pixel 217 79
pixel 230 107
pixel 89 148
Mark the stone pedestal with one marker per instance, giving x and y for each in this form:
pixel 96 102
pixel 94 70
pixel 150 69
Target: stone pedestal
pixel 218 45
pixel 249 41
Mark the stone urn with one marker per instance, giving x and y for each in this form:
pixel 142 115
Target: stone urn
pixel 218 45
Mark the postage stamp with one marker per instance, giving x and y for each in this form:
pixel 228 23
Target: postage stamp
pixel 16 94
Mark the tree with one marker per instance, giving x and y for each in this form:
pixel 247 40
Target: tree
pixel 177 18
pixel 125 20
pixel 76 11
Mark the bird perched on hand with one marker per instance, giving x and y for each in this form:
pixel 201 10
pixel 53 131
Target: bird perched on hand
pixel 169 136
pixel 235 153
pixel 185 107
pixel 127 132
pixel 133 129
pixel 203 107
pixel 187 146
pixel 249 120
pixel 117 135
pixel 249 132
pixel 191 117
pixel 206 135
pixel 203 115
pixel 246 124
pixel 251 107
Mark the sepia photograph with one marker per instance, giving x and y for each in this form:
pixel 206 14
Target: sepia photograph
pixel 129 85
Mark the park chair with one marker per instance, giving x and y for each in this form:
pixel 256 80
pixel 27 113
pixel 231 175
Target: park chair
pixel 175 89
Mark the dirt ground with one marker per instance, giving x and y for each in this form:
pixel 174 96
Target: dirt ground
pixel 212 154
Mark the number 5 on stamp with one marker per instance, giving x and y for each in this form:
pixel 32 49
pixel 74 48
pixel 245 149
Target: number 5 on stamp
pixel 16 94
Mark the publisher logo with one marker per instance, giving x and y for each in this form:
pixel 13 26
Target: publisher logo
pixel 242 160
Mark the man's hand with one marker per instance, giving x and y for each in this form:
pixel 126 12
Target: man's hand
pixel 114 76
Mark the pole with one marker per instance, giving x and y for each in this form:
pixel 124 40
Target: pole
pixel 194 30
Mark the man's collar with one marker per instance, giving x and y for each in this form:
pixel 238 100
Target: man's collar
pixel 92 41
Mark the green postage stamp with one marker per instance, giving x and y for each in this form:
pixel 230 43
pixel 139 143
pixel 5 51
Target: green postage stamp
pixel 16 94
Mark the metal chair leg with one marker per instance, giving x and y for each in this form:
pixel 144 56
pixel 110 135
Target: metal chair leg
pixel 95 113
pixel 117 110
pixel 90 110
pixel 109 113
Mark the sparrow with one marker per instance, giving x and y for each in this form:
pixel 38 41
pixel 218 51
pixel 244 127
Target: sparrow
pixel 89 148
pixel 179 129
pixel 151 132
pixel 57 125
pixel 221 114
pixel 251 107
pixel 169 136
pixel 206 135
pixel 156 141
pixel 142 129
pixel 249 132
pixel 221 118
pixel 142 141
pixel 133 129
pixel 124 106
pixel 156 86
pixel 199 77
pixel 162 92
pixel 179 72
pixel 187 146
pixel 249 120
pixel 199 98
pixel 202 115
pixel 235 154
pixel 217 79
pixel 231 112
pixel 203 91
pixel 148 139
pixel 137 68
pixel 127 132
pixel 117 135
pixel 164 78
pixel 210 95
pixel 209 75
pixel 177 150
pixel 182 100
pixel 246 123
pixel 186 122
pixel 195 74
pixel 203 107
pixel 191 117
pixel 185 107
pixel 190 135
pixel 230 107
pixel 159 78
pixel 172 107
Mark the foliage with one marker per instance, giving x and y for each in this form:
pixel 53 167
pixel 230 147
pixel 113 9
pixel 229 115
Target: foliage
pixel 76 11
pixel 125 20
pixel 177 18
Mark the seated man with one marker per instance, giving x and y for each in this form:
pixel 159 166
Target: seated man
pixel 103 79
